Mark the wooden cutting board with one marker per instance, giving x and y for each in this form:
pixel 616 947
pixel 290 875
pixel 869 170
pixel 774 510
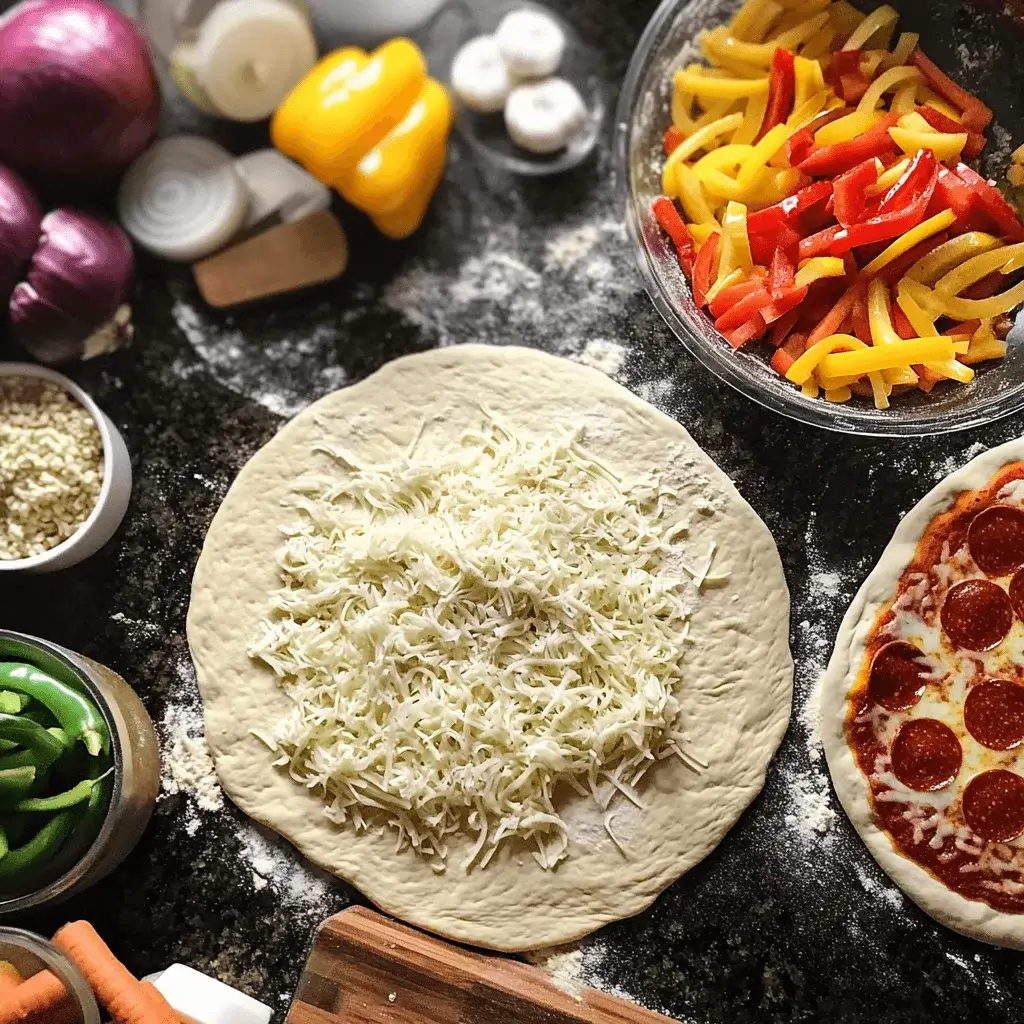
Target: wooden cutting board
pixel 368 969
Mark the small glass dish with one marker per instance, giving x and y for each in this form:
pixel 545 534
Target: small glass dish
pixel 669 41
pixel 455 25
pixel 31 954
pixel 136 759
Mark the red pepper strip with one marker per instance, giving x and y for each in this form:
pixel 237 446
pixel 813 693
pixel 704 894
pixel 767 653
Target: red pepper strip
pixel 799 147
pixel 705 269
pixel 993 203
pixel 850 198
pixel 860 319
pixel 977 116
pixel 750 331
pixel 673 226
pixel 843 62
pixel 897 270
pixel 764 246
pixel 952 193
pixel 784 302
pixel 976 143
pixel 829 161
pixel 902 209
pixel 786 212
pixel 836 317
pixel 986 287
pixel 781 91
pixel 853 86
pixel 823 243
pixel 788 354
pixel 729 297
pixel 783 273
pixel 674 138
pixel 903 327
pixel 939 121
pixel 783 327
pixel 744 310
pixel 964 330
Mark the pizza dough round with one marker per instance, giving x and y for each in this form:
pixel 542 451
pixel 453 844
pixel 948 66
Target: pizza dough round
pixel 738 674
pixel 970 917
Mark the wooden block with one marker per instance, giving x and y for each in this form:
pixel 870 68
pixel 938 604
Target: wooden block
pixel 367 969
pixel 284 259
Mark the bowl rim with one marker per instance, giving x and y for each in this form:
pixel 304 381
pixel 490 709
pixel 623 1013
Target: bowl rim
pixel 104 427
pixel 57 888
pixel 720 360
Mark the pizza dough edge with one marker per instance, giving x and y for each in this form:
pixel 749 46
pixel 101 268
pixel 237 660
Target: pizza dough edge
pixel 739 693
pixel 969 917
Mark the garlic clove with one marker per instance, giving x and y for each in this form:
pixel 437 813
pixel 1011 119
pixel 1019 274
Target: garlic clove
pixel 531 42
pixel 544 116
pixel 480 76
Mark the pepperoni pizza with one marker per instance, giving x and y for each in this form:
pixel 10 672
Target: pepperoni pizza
pixel 923 702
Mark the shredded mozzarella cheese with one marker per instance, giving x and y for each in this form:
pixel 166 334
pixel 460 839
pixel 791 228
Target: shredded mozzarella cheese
pixel 462 634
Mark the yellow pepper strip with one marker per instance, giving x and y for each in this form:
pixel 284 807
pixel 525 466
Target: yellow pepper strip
pixel 735 241
pixel 884 83
pixel 753 119
pixel 872 61
pixel 961 348
pixel 929 98
pixel 702 232
pixel 809 389
pixel 971 309
pixel 682 111
pixel 804 367
pixel 945 147
pixel 905 99
pixel 691 196
pixel 758 158
pixel 882 20
pixel 818 268
pixel 819 45
pixel 843 129
pixel 714 110
pixel 951 254
pixel 886 357
pixel 804 6
pixel 810 80
pixel 845 17
pixel 839 395
pixel 726 62
pixel 694 144
pixel 924 230
pixel 925 327
pixel 719 88
pixel 754 19
pixel 720 45
pixel 883 335
pixel 905 47
pixel 372 126
pixel 888 178
pixel 735 277
pixel 1004 259
pixel 1015 175
pixel 984 345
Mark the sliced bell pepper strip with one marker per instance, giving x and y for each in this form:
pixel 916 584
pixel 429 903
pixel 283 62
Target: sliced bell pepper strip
pixel 887 357
pixel 783 327
pixel 968 309
pixel 735 241
pixel 914 237
pixel 787 354
pixel 736 277
pixel 977 116
pixel 674 138
pixel 729 297
pixel 985 288
pixel 782 272
pixel 993 203
pixel 818 268
pixel 945 147
pixel 694 144
pixel 764 246
pixel 845 128
pixel 787 212
pixel 804 367
pixel 672 224
pixel 705 270
pixel 923 326
pixel 881 20
pixel 743 311
pixel 838 314
pixel 781 91
pixel 828 161
pixel 953 193
pixel 785 302
pixel 692 198
pixel 750 331
pixel 823 243
pixel 850 188
pixel 952 254
pixel 883 333
pixel 899 267
pixel 883 83
pixel 1006 258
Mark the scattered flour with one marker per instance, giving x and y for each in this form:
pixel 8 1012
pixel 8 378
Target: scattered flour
pixel 186 764
pixel 874 888
pixel 812 814
pixel 603 355
pixel 943 467
pixel 575 968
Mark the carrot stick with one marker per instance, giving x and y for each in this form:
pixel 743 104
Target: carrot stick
pixel 126 999
pixel 34 999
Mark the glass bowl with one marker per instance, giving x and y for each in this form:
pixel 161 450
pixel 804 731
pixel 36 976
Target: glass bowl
pixel 669 41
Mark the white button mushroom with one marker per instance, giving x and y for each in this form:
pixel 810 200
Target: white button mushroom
pixel 480 75
pixel 531 42
pixel 544 116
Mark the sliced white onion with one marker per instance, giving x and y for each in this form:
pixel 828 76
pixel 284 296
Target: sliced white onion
pixel 183 199
pixel 249 54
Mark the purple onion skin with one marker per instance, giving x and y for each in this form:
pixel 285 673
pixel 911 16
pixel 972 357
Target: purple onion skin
pixel 79 100
pixel 20 220
pixel 72 303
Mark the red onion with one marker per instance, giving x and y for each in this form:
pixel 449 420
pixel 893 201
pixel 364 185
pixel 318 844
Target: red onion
pixel 78 97
pixel 72 304
pixel 20 217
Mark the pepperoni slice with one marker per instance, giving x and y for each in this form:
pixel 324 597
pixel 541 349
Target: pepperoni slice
pixel 977 615
pixel 926 755
pixel 896 680
pixel 994 714
pixel 1017 593
pixel 993 805
pixel 996 540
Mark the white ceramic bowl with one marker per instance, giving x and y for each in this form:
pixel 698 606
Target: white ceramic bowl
pixel 106 517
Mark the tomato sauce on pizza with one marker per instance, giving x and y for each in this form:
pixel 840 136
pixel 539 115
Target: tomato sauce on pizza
pixel 936 719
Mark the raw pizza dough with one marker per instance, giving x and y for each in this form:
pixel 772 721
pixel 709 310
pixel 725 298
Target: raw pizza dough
pixel 972 918
pixel 738 675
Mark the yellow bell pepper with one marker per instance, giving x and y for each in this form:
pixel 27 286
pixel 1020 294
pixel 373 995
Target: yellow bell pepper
pixel 923 231
pixel 372 126
pixel 887 357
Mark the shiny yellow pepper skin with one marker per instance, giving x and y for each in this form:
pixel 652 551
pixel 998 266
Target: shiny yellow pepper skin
pixel 374 127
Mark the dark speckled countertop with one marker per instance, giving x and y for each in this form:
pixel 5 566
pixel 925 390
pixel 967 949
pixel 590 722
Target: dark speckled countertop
pixel 790 919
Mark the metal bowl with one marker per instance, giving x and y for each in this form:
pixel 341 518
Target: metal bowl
pixel 976 48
